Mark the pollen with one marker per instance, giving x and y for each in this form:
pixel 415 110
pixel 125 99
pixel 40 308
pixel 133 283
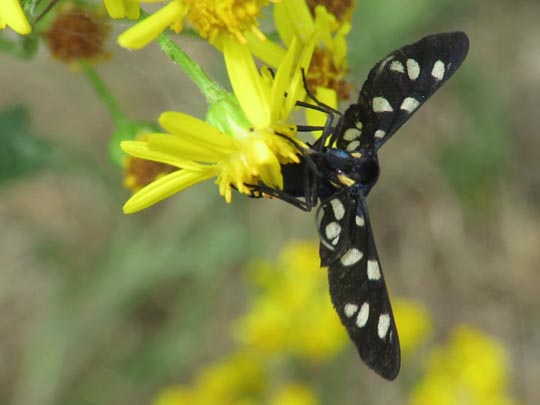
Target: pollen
pixel 140 172
pixel 77 35
pixel 211 18
pixel 326 71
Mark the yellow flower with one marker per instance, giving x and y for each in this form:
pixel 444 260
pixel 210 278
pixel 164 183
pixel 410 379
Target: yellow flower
pixel 292 314
pixel 328 70
pixel 12 15
pixel 471 369
pixel 413 323
pixel 294 394
pixel 209 17
pixel 237 379
pixel 243 146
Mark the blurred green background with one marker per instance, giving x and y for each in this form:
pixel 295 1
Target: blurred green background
pixel 102 308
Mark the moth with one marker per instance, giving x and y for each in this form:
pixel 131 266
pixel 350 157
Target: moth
pixel 340 169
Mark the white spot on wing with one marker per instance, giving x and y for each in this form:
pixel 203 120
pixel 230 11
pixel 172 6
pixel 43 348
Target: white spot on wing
pixel 380 104
pixel 413 69
pixel 350 310
pixel 380 133
pixel 360 221
pixel 438 70
pixel 409 104
pixel 363 315
pixel 352 256
pixel 353 146
pixel 339 209
pixel 335 241
pixel 332 230
pixel 351 134
pixel 373 270
pixel 397 66
pixel 383 325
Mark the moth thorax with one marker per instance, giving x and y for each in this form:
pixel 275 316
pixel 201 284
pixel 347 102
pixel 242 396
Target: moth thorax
pixel 365 171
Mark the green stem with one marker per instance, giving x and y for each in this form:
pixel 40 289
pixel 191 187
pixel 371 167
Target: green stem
pixel 104 94
pixel 212 90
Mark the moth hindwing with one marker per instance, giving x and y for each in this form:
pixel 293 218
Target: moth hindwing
pixel 357 286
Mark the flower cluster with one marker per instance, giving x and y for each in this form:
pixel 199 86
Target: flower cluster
pixel 290 316
pixel 247 140
pixel 291 313
pixel 247 135
pixel 472 368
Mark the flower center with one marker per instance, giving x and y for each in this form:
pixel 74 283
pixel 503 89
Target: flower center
pixel 211 17
pixel 326 71
pixel 77 34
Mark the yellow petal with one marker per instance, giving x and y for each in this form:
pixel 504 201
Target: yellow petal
pixel 296 89
pixel 292 17
pixel 281 20
pixel 197 130
pixel 318 118
pixel 281 82
pixel 246 82
pixel 165 187
pixel 184 148
pixel 115 8
pixel 133 11
pixel 141 150
pixel 323 24
pixel 267 165
pixel 266 50
pixel 12 14
pixel 148 29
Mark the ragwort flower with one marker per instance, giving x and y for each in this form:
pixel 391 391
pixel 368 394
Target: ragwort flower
pixel 210 19
pixel 472 368
pixel 328 70
pixel 12 15
pixel 237 378
pixel 292 313
pixel 240 146
pixel 293 18
pixel 413 323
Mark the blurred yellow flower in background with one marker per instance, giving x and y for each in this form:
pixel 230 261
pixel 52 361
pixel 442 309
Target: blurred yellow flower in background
pixel 247 142
pixel 294 394
pixel 472 368
pixel 236 379
pixel 304 325
pixel 12 15
pixel 413 323
pixel 292 313
pixel 209 18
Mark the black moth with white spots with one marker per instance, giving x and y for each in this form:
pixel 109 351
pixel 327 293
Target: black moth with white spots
pixel 341 177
